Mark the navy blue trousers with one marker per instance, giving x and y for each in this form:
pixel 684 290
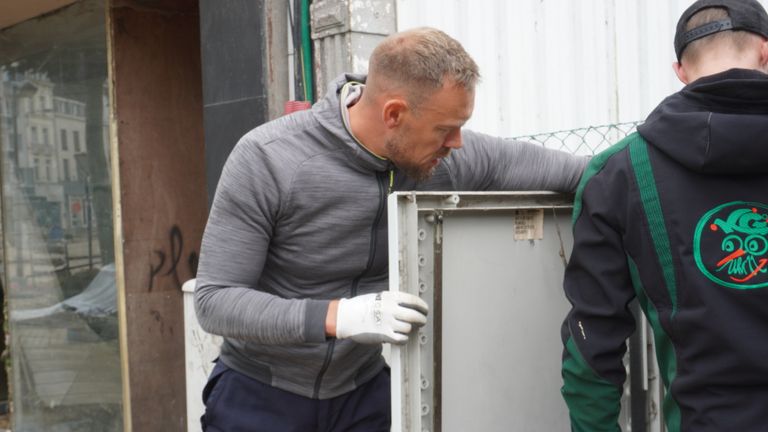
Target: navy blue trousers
pixel 237 403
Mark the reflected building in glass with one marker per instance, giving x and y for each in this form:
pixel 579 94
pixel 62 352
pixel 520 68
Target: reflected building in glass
pixel 59 263
pixel 47 132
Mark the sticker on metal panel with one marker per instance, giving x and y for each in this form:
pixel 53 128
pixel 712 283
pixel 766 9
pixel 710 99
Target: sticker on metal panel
pixel 529 224
pixel 730 245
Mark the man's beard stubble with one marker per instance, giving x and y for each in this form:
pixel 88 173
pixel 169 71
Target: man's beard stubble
pixel 398 155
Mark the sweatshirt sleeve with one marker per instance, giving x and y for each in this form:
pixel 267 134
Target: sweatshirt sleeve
pixel 598 286
pixel 234 249
pixel 492 163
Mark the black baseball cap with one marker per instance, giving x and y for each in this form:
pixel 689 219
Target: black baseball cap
pixel 747 15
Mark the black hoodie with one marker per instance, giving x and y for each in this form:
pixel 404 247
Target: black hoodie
pixel 716 125
pixel 676 216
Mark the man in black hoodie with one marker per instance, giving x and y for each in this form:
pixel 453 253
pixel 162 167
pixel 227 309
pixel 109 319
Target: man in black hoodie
pixel 676 216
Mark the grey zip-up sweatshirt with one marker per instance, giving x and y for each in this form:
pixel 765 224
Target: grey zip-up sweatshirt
pixel 299 218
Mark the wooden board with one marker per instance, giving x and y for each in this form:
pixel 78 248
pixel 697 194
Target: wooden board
pixel 157 104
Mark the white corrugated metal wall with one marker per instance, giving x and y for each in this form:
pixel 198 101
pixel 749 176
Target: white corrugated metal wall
pixel 550 65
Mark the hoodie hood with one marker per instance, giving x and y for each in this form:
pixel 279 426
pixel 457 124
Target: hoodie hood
pixel 715 125
pixel 328 113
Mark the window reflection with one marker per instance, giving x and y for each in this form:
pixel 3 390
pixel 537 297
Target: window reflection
pixel 57 223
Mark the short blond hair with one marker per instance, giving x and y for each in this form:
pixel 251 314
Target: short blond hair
pixel 420 61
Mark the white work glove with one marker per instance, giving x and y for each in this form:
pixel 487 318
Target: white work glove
pixel 387 316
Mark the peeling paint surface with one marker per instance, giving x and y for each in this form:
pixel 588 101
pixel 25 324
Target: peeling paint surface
pixel 345 34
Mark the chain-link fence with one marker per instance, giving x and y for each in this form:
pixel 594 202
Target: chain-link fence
pixel 584 141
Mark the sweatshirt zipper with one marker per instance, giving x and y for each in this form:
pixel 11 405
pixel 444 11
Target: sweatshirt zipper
pixel 324 368
pixel 381 179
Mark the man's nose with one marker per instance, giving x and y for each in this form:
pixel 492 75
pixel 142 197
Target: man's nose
pixel 453 140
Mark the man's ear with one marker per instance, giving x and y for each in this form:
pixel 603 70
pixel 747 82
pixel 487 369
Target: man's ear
pixel 394 110
pixel 681 73
pixel 764 55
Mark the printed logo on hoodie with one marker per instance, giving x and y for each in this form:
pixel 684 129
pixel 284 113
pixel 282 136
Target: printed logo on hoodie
pixel 730 245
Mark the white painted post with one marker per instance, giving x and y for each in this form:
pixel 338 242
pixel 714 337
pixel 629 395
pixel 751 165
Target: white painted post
pixel 200 350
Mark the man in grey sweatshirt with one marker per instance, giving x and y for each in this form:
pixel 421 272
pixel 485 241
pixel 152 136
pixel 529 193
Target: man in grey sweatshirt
pixel 293 264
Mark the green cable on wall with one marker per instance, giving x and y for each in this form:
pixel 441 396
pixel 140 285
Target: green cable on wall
pixel 306 53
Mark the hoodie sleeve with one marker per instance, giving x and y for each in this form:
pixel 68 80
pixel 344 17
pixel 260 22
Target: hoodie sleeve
pixel 492 163
pixel 598 286
pixel 234 249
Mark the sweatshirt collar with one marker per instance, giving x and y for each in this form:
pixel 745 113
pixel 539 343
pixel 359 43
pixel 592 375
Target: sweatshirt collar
pixel 715 125
pixel 351 93
pixel 329 114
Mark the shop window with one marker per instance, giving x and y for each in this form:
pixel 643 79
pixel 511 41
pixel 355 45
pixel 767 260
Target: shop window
pixel 58 255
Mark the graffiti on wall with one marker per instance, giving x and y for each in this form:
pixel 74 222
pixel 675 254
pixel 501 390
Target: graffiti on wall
pixel 167 260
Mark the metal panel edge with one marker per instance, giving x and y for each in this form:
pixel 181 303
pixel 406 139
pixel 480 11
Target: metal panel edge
pixel 402 215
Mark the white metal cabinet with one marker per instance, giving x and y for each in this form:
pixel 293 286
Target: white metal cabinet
pixel 490 265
